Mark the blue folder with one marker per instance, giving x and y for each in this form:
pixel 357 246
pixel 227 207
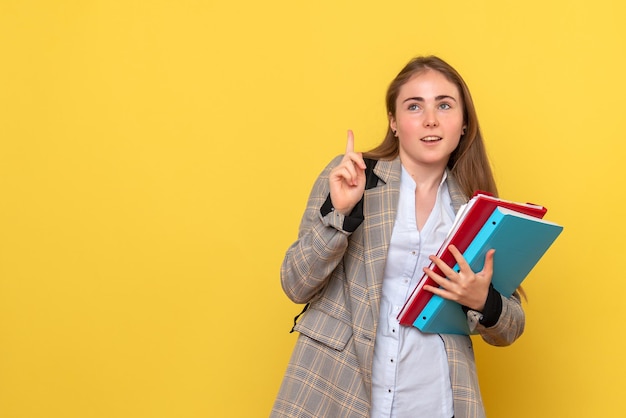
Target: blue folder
pixel 519 240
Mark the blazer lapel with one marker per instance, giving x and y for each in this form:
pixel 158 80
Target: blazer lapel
pixel 456 194
pixel 380 207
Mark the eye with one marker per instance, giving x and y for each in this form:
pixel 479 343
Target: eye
pixel 445 106
pixel 413 106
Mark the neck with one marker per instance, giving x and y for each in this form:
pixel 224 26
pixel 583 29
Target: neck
pixel 425 178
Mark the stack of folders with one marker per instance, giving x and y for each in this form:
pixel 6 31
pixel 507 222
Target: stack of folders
pixel 518 233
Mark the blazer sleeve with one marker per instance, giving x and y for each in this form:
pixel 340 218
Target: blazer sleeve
pixel 509 327
pixel 321 244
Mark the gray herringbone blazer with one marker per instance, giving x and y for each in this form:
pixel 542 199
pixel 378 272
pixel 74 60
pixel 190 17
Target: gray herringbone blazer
pixel 340 274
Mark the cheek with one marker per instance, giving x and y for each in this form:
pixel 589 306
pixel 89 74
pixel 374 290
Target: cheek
pixel 406 124
pixel 455 126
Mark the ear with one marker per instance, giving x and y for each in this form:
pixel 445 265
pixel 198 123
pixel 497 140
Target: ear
pixel 392 123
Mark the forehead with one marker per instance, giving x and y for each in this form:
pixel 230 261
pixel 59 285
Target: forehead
pixel 428 84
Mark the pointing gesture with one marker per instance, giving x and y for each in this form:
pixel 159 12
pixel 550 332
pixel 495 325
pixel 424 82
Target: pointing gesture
pixel 347 180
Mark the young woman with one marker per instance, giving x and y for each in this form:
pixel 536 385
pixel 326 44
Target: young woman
pixel 369 232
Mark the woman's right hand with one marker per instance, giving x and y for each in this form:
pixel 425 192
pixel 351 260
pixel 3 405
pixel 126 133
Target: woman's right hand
pixel 347 180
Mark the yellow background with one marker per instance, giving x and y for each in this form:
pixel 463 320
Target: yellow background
pixel 156 156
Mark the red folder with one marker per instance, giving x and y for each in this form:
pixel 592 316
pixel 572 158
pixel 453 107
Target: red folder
pixel 473 217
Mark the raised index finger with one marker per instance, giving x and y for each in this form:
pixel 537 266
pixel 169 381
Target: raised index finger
pixel 350 144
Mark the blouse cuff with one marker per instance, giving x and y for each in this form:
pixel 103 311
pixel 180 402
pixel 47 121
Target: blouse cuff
pixel 492 310
pixel 350 222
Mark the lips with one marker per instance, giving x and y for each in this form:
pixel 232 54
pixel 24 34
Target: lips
pixel 431 138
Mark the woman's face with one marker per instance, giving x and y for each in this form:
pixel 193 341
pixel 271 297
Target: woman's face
pixel 428 120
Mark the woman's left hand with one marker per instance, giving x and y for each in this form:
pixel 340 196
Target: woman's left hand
pixel 464 287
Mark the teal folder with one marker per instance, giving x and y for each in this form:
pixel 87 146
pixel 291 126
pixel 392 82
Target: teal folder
pixel 519 240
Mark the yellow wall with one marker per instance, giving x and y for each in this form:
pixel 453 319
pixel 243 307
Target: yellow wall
pixel 155 158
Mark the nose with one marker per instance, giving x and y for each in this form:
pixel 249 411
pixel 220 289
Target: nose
pixel 430 119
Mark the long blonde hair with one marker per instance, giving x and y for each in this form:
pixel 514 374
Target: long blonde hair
pixel 468 162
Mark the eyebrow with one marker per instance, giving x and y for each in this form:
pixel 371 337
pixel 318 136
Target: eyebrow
pixel 421 99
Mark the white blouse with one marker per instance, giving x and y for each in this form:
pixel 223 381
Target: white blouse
pixel 410 376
